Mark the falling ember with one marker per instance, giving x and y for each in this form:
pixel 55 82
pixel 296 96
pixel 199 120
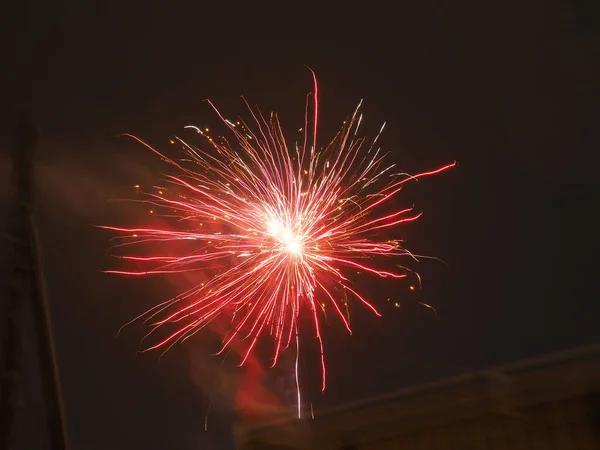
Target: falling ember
pixel 281 228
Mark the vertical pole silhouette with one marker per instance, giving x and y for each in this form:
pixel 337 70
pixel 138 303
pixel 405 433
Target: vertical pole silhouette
pixel 25 285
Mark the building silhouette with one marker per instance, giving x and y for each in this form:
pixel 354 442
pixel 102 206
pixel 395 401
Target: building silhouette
pixel 550 402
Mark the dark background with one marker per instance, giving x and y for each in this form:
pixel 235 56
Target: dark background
pixel 509 90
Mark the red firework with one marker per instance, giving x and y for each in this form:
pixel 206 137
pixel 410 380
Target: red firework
pixel 278 226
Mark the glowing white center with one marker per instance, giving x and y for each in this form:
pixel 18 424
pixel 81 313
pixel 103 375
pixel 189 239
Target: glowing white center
pixel 289 241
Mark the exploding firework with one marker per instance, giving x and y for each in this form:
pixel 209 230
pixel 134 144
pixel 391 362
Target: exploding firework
pixel 279 227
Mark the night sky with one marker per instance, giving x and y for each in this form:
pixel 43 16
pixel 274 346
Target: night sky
pixel 509 91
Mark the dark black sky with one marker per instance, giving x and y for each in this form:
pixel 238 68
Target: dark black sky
pixel 510 91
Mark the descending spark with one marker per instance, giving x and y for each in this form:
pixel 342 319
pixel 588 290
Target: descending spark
pixel 297 378
pixel 281 229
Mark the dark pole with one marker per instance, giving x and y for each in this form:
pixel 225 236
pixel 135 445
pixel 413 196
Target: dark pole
pixel 25 285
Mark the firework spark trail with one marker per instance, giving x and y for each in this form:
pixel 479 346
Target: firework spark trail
pixel 280 227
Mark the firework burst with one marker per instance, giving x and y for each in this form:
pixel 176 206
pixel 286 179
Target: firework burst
pixel 280 228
